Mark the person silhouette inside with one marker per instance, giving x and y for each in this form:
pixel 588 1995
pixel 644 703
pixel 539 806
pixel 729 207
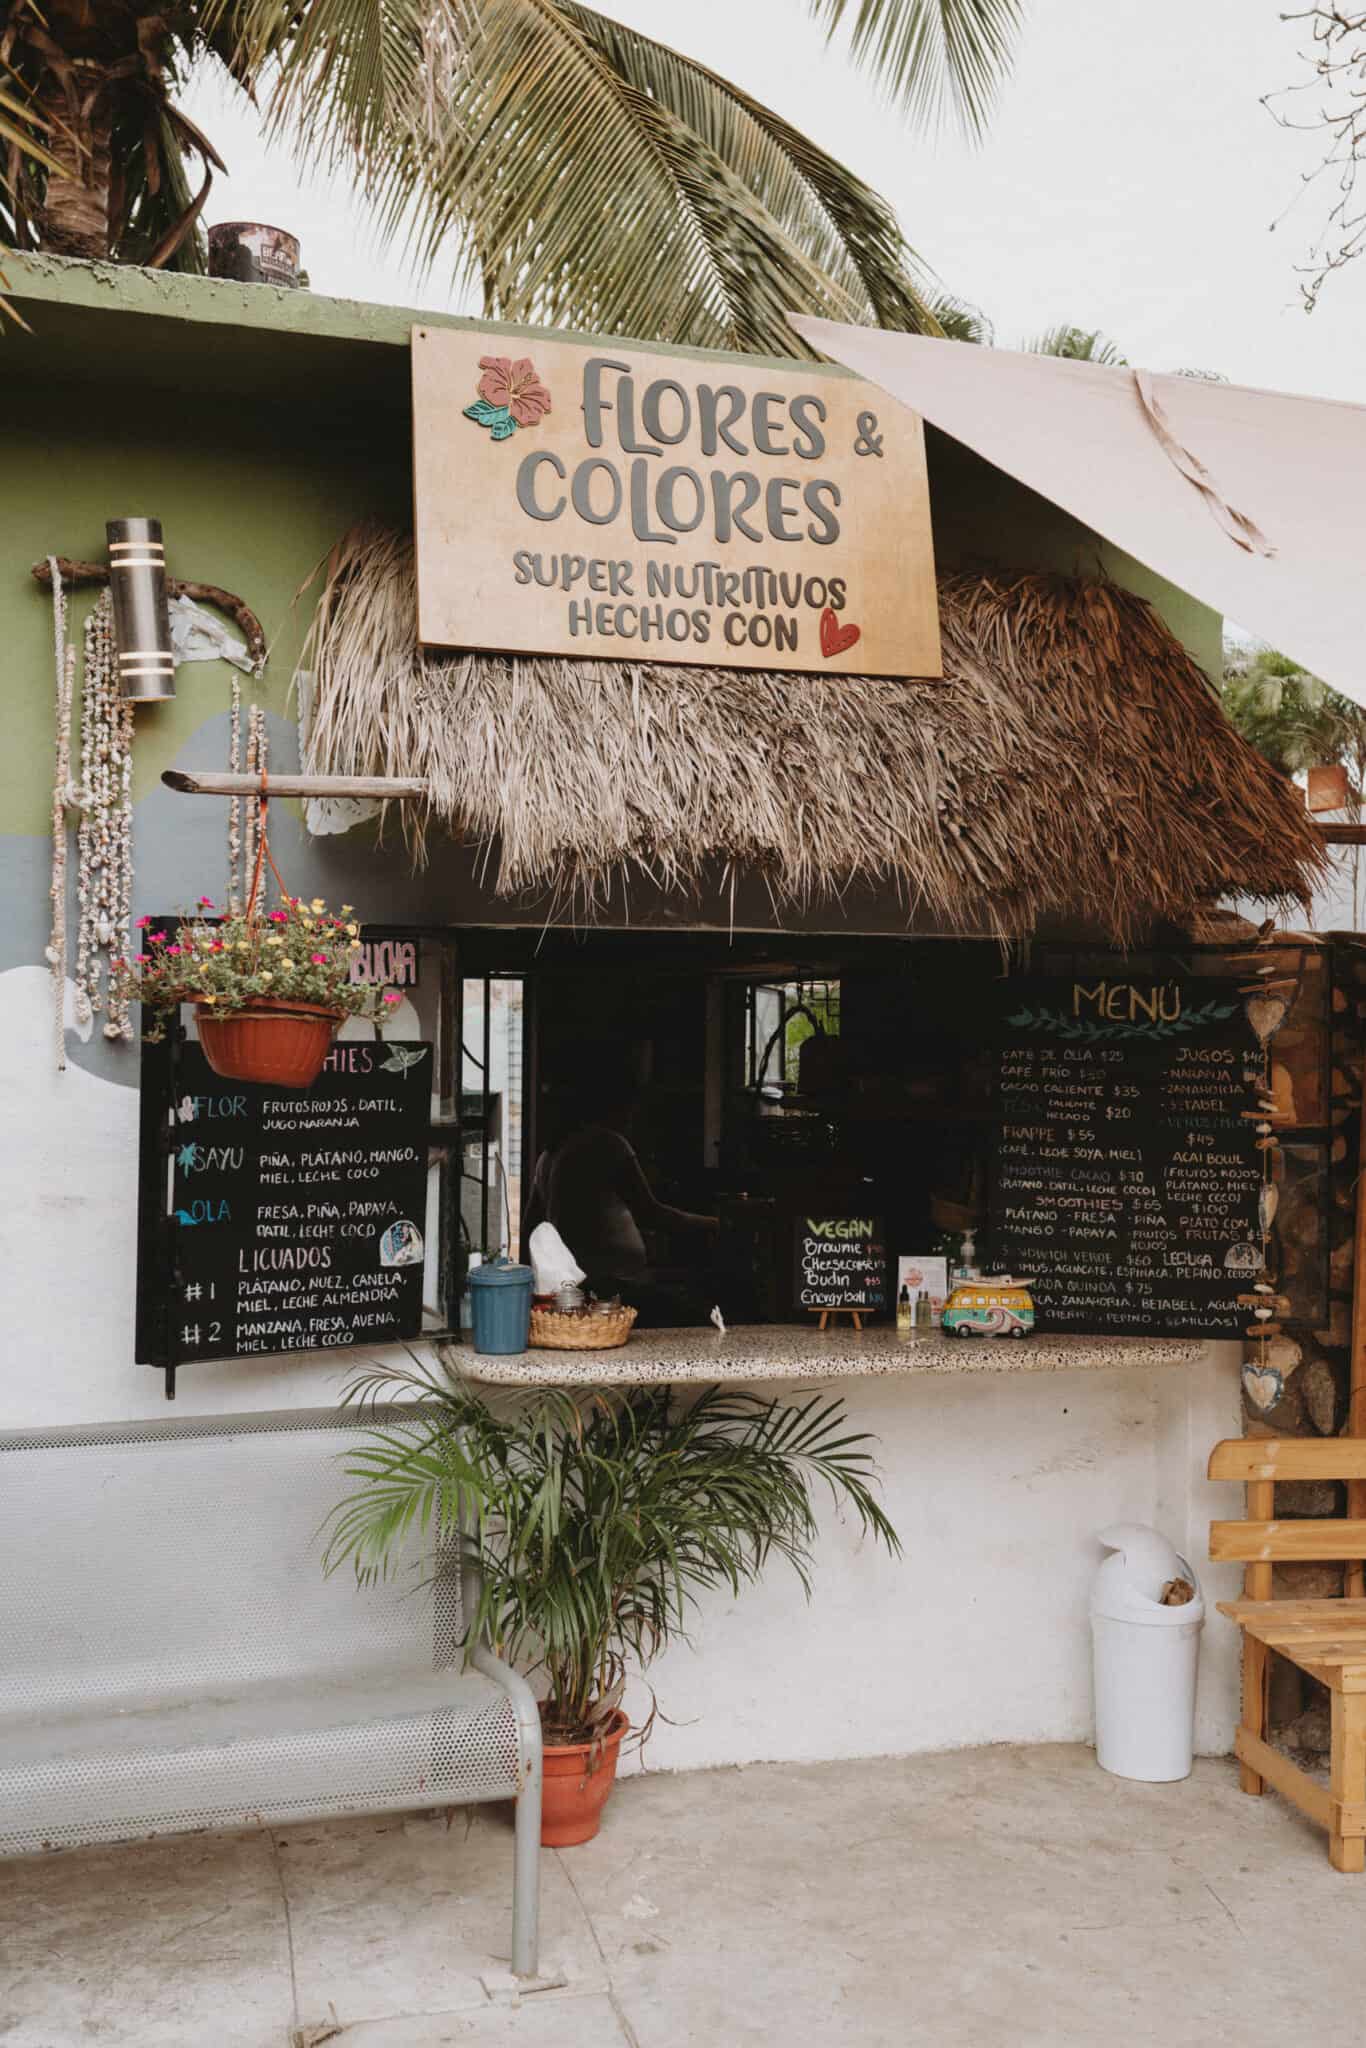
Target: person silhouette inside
pixel 592 1187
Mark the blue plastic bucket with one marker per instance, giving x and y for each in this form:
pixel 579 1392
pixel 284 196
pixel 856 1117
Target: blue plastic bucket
pixel 500 1306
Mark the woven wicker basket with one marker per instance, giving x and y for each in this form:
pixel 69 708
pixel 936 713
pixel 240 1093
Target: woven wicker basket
pixel 555 1329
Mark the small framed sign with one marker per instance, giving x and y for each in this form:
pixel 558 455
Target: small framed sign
pixel 841 1265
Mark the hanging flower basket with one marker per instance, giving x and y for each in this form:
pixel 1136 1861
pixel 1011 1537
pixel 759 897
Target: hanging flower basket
pixel 280 1042
pixel 269 988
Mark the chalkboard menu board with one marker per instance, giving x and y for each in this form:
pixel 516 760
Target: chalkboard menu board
pixel 841 1263
pixel 1127 1174
pixel 298 1214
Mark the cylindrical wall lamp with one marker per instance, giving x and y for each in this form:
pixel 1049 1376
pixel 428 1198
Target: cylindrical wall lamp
pixel 142 623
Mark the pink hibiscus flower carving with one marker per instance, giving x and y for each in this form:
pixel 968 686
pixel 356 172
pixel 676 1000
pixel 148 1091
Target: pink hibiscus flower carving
pixel 514 385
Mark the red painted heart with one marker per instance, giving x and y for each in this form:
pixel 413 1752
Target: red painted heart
pixel 835 638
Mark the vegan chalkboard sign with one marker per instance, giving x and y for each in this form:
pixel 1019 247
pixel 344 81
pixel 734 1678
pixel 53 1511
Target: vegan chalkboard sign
pixel 294 1218
pixel 841 1265
pixel 1127 1174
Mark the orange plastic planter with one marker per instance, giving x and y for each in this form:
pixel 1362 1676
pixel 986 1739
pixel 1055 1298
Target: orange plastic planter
pixel 577 1777
pixel 281 1043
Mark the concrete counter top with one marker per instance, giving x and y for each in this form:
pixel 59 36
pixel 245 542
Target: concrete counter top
pixel 786 1351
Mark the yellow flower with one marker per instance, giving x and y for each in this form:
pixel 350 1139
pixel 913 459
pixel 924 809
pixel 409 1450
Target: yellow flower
pixel 275 940
pixel 286 963
pixel 352 930
pixel 266 975
pixel 208 999
pixel 316 905
pixel 354 946
pixel 346 909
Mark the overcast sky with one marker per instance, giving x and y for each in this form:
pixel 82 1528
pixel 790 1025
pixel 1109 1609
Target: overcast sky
pixel 1129 181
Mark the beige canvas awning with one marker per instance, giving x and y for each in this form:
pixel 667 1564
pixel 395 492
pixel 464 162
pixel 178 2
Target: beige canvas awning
pixel 1253 501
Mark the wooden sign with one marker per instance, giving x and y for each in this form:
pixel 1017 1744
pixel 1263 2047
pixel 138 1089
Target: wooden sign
pixel 297 1215
pixel 580 498
pixel 841 1264
pixel 1127 1173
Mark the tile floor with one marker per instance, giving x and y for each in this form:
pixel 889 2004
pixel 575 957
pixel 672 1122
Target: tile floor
pixel 996 1896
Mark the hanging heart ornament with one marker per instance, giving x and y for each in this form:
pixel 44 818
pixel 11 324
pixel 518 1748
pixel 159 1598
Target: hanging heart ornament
pixel 1263 1386
pixel 1266 1014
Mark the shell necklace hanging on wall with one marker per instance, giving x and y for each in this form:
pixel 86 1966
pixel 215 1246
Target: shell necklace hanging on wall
pixel 104 837
pixel 104 840
pixel 1266 1006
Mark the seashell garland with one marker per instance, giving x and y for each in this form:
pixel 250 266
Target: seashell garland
pixel 104 836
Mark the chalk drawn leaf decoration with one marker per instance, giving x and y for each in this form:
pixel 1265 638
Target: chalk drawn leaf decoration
pixel 401 1057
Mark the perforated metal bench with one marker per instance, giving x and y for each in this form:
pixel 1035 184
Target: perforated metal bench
pixel 175 1659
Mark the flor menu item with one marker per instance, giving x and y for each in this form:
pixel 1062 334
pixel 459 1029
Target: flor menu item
pixel 1127 1175
pixel 299 1215
pixel 840 1263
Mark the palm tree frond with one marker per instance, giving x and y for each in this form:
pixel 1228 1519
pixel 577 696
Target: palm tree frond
pixel 1078 345
pixel 931 56
pixel 592 177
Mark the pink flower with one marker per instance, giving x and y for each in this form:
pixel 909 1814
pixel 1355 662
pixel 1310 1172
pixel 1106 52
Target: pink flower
pixel 157 939
pixel 206 903
pixel 514 385
pixel 217 946
pixel 318 959
pixel 144 959
pixel 279 917
pixel 143 923
pixel 173 949
pixel 391 995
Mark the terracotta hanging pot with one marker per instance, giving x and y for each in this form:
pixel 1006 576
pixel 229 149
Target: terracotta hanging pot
pixel 280 1042
pixel 577 1777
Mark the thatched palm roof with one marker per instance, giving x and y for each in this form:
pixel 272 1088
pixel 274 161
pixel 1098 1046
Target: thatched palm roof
pixel 1072 763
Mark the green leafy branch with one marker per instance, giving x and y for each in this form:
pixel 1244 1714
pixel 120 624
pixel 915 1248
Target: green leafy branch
pixel 1091 1030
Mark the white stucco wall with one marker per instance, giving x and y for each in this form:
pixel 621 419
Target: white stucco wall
pixel 996 1483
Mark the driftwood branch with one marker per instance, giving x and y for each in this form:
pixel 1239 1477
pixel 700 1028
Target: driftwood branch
pixel 226 601
pixel 213 782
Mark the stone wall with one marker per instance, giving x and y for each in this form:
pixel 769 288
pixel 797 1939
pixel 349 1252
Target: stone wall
pixel 1300 1387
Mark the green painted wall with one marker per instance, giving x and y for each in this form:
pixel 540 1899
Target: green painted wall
pixel 257 425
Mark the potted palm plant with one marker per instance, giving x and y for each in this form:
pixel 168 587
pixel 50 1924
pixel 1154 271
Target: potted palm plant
pixel 269 987
pixel 597 1520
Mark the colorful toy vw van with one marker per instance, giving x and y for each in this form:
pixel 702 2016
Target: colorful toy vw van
pixel 999 1307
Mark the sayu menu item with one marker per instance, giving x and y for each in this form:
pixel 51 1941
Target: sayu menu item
pixel 299 1215
pixel 1127 1174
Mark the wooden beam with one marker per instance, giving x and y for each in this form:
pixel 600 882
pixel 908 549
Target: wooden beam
pixel 1286 1542
pixel 1288 1457
pixel 211 782
pixel 1340 1612
pixel 1355 1583
pixel 74 574
pixel 1343 835
pixel 1291 1782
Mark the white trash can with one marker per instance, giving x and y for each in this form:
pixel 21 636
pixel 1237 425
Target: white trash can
pixel 1145 1657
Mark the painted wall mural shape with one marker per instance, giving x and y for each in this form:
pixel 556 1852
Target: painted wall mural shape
pixel 594 500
